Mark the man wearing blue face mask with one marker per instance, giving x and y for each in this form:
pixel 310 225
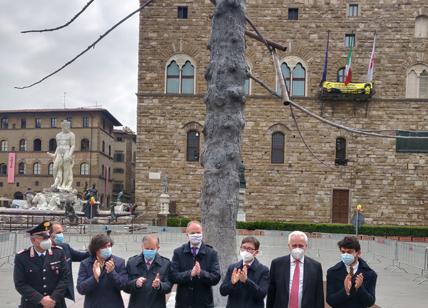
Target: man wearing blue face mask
pixel 148 276
pixel 102 276
pixel 195 269
pixel 351 283
pixel 57 236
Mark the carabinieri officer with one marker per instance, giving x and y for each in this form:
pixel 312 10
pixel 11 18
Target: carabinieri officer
pixel 40 273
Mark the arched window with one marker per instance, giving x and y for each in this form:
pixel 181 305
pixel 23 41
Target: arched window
pixel 3 146
pixel 3 169
pixel 36 169
pixel 188 78
pixel 298 80
pixel 103 172
pixel 341 75
pixel 109 150
pixel 180 75
pixel 50 169
pixel 37 145
pixel 421 26
pixel 21 168
pixel 417 81
pixel 23 145
pixel 277 154
pixel 52 145
pixel 192 146
pixel 294 72
pixel 103 147
pixel 84 145
pixel 423 85
pixel 84 169
pixel 172 78
pixel 341 151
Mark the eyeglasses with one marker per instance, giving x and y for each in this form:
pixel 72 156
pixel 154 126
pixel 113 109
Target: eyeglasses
pixel 249 249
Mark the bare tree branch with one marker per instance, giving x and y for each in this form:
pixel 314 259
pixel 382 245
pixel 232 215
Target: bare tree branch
pixel 89 47
pixel 64 25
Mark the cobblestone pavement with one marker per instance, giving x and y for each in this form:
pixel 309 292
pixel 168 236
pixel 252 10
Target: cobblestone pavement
pixel 397 285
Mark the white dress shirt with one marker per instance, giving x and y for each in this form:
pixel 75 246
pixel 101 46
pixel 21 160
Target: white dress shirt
pixel 292 267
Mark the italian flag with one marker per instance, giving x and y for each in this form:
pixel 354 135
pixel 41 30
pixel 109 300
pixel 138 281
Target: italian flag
pixel 348 67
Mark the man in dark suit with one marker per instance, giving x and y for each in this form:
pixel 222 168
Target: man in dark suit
pixel 246 282
pixel 40 272
pixel 148 276
pixel 296 280
pixel 351 283
pixel 57 236
pixel 195 269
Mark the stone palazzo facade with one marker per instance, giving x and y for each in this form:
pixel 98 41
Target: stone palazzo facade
pixel 283 180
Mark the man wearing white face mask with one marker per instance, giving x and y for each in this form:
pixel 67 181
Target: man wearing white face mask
pixel 195 269
pixel 295 279
pixel 351 283
pixel 40 272
pixel 246 282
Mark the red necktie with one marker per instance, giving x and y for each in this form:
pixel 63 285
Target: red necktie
pixel 294 294
pixel 148 263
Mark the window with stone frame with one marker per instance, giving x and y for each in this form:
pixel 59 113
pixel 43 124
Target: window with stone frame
pixel 38 123
pixel 341 152
pixel 52 145
pixel 22 145
pixel 3 169
pixel 36 169
pixel 353 10
pixel 23 123
pixel 417 81
pixel 3 146
pixel 21 168
pixel 50 168
pixel 192 148
pixel 85 122
pixel 180 75
pixel 421 26
pixel 341 75
pixel 103 146
pixel 182 12
pixel 277 148
pixel 294 72
pixel 4 123
pixel 349 40
pixel 412 145
pixel 37 145
pixel 84 145
pixel 293 13
pixel 84 169
pixel 53 122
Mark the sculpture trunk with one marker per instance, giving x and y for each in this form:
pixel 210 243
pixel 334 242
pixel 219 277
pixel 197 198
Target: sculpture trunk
pixel 221 157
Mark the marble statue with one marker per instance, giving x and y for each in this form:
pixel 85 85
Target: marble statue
pixel 40 201
pixel 63 158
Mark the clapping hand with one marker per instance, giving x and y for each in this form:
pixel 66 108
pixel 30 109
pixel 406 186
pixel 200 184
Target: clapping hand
pixel 156 282
pixel 359 280
pixel 348 284
pixel 96 269
pixel 140 281
pixel 196 270
pixel 243 274
pixel 109 266
pixel 235 276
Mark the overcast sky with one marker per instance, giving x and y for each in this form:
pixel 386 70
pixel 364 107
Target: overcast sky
pixel 106 75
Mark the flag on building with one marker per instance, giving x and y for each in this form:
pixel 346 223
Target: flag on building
pixel 324 71
pixel 11 168
pixel 348 71
pixel 372 61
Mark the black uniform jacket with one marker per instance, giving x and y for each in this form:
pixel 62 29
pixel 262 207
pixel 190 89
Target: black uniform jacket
pixel 250 294
pixel 194 292
pixel 358 298
pixel 147 296
pixel 36 277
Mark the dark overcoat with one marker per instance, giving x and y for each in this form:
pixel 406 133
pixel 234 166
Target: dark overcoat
pixel 147 296
pixel 250 294
pixel 194 292
pixel 358 298
pixel 106 292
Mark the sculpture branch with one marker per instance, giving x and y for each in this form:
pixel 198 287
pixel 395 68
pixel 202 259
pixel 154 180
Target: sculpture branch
pixel 89 47
pixel 64 25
